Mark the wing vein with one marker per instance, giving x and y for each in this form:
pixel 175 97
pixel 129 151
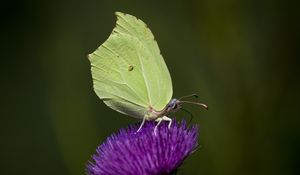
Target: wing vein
pixel 146 83
pixel 123 98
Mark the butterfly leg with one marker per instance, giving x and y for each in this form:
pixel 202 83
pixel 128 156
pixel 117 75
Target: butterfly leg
pixel 143 122
pixel 165 118
pixel 159 120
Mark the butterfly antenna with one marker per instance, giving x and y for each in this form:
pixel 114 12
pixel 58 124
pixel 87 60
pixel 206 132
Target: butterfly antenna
pixel 188 112
pixel 196 103
pixel 188 96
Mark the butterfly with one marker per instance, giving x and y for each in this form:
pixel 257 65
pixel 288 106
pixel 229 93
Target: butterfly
pixel 130 75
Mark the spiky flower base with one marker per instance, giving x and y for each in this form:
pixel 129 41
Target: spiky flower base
pixel 144 153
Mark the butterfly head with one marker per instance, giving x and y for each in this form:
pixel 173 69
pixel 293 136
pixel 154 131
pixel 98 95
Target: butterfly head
pixel 176 104
pixel 173 106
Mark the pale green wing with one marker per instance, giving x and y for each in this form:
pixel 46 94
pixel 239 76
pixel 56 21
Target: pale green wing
pixel 129 73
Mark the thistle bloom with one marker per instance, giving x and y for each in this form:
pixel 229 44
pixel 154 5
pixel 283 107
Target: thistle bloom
pixel 145 153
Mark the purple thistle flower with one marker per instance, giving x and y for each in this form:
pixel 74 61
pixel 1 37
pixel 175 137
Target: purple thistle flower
pixel 144 153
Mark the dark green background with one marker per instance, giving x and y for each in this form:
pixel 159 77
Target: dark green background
pixel 242 57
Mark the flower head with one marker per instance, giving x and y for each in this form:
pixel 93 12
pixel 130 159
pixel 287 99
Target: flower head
pixel 145 153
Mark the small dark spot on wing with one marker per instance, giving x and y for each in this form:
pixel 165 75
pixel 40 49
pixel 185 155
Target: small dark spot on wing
pixel 130 68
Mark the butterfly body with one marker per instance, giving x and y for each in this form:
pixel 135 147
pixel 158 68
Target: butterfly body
pixel 172 106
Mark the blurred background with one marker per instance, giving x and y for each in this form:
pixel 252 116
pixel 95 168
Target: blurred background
pixel 241 57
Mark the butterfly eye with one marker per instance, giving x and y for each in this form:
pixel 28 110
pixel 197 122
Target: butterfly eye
pixel 175 106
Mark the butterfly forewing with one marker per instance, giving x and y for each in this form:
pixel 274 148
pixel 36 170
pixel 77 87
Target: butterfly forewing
pixel 128 71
